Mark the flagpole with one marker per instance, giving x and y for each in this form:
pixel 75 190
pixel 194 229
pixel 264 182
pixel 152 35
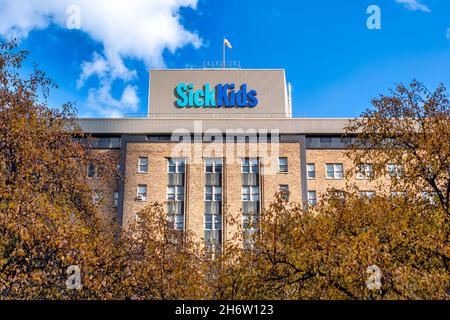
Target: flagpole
pixel 223 62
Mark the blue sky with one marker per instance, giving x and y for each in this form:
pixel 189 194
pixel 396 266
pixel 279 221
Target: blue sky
pixel 334 62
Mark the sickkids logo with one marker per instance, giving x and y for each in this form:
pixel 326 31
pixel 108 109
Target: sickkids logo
pixel 221 96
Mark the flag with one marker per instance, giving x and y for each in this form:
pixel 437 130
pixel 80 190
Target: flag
pixel 227 43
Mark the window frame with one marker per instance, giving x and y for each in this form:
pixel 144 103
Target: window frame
pixel 115 199
pixel 308 171
pixel 369 194
pixel 175 220
pixel 397 173
pixel 216 222
pixel 177 164
pixel 309 198
pixel 97 197
pixel 216 193
pixel 335 165
pixel 283 165
pixel 284 193
pixel 215 163
pixel 251 193
pixel 94 171
pixel 176 193
pixel 252 218
pixel 364 171
pixel 143 199
pixel 250 163
pixel 140 164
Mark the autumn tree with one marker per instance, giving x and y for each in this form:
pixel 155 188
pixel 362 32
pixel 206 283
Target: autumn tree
pixel 162 262
pixel 407 138
pixel 391 246
pixel 48 220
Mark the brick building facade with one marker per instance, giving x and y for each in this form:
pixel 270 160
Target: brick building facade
pixel 204 163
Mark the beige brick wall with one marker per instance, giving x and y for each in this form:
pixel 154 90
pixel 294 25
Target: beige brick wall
pixel 106 186
pixel 292 178
pixel 320 184
pixel 156 178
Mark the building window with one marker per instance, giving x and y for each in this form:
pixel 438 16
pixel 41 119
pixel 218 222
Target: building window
pixel 116 199
pixel 284 189
pixel 141 192
pixel 250 165
pixel 213 222
pixel 251 227
pixel 250 193
pixel 92 171
pixel 175 165
pixel 398 194
pixel 430 197
pixel 143 165
pixel 213 165
pixel 311 170
pixel 364 171
pixel 250 222
pixel 96 197
pixel 367 194
pixel 175 193
pixel 213 193
pixel 177 220
pixel 283 165
pixel 335 170
pixel 312 198
pixel 138 218
pixel 394 170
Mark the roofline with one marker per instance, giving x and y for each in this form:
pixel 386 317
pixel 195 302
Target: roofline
pixel 299 126
pixel 219 118
pixel 217 69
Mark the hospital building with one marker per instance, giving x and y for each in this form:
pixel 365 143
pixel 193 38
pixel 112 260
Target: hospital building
pixel 218 142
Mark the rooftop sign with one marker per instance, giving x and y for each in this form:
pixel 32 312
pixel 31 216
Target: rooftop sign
pixel 218 93
pixel 222 95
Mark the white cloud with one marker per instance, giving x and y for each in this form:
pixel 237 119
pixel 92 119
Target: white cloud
pixel 136 29
pixel 414 5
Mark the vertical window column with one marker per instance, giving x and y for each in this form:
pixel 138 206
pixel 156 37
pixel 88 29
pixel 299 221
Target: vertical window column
pixel 213 203
pixel 250 199
pixel 175 192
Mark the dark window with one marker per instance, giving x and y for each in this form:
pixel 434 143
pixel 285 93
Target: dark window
pixel 283 164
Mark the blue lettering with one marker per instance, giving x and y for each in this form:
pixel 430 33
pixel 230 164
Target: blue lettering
pixel 222 95
pixel 210 100
pixel 241 96
pixel 252 99
pixel 232 97
pixel 183 99
pixel 198 101
pixel 191 95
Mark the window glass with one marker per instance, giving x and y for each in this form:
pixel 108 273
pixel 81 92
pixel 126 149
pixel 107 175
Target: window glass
pixel 312 198
pixel 116 199
pixel 142 192
pixel 246 193
pixel 143 165
pixel 91 171
pixel 283 164
pixel 311 170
